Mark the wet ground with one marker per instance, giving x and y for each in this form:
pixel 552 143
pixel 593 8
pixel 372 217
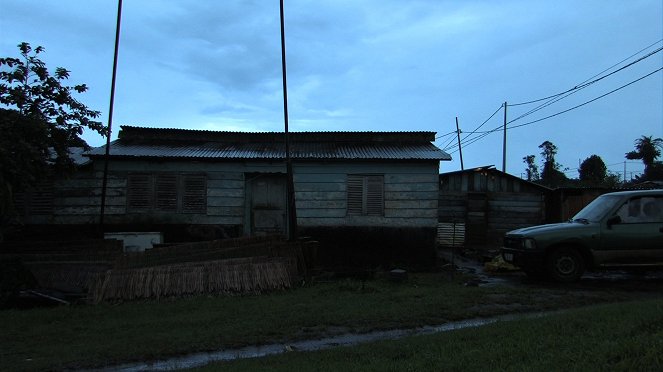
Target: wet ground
pixel 202 359
pixel 632 285
pixel 619 280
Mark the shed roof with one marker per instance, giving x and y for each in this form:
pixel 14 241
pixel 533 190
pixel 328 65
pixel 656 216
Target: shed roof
pixel 197 144
pixel 491 169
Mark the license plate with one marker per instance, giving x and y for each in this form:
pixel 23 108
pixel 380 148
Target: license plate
pixel 508 257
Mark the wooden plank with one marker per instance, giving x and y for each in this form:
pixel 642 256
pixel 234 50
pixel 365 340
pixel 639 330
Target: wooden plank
pixel 230 193
pixel 321 204
pixel 411 195
pixel 222 201
pixel 88 201
pixel 319 187
pixel 411 204
pixel 226 176
pixel 410 178
pixel 407 213
pixel 398 187
pixel 321 213
pixel 87 210
pixel 225 211
pixel 225 184
pixel 320 195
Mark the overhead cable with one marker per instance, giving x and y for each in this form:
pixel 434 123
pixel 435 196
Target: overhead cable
pixel 587 82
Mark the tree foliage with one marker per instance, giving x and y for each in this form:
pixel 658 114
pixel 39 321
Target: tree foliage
pixel 532 170
pixel 648 149
pixel 40 120
pixel 551 175
pixel 592 171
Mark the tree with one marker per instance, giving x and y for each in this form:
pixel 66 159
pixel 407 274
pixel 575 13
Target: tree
pixel 551 175
pixel 532 169
pixel 592 171
pixel 647 149
pixel 40 122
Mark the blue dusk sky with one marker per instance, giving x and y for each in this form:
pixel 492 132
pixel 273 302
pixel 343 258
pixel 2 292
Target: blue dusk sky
pixel 370 65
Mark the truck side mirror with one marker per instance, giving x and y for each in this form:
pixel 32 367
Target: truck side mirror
pixel 613 221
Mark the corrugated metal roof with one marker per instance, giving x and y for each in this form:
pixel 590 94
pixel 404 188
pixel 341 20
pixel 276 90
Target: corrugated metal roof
pixel 306 150
pixel 183 143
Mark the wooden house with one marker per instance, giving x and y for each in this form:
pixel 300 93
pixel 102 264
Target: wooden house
pixel 481 204
pixel 366 196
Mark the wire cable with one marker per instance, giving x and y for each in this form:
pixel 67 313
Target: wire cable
pixel 609 68
pixel 587 102
pixel 477 128
pixel 579 87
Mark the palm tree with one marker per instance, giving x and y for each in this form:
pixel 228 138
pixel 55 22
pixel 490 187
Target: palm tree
pixel 647 149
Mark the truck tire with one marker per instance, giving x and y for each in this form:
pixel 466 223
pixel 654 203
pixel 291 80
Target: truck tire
pixel 565 265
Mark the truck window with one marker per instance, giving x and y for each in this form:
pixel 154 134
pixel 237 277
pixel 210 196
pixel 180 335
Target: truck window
pixel 648 209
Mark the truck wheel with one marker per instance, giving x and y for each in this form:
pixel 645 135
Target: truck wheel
pixel 565 265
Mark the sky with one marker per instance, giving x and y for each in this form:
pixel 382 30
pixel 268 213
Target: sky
pixel 369 65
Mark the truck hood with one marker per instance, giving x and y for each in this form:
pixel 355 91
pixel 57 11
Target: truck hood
pixel 564 228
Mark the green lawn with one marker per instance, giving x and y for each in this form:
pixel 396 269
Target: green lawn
pixel 85 336
pixel 614 337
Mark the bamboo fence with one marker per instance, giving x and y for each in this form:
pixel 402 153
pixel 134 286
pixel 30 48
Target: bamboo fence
pixel 241 275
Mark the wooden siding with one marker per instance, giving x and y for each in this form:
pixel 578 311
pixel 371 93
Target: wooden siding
pixel 410 193
pixel 502 212
pixel 489 203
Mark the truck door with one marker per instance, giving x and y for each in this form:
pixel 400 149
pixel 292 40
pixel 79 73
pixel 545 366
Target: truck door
pixel 637 237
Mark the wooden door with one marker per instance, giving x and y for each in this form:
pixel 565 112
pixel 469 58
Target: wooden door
pixel 267 195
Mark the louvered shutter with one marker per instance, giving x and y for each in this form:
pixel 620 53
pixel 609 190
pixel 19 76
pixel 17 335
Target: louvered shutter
pixel 41 199
pixel 166 192
pixel 194 196
pixel 374 195
pixel 139 192
pixel 355 191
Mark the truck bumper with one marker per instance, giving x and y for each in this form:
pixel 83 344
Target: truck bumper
pixel 525 259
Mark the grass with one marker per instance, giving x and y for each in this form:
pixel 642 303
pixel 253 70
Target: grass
pixel 87 336
pixel 614 337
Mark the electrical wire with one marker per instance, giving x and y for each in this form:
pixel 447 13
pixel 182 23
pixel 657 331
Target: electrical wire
pixel 608 69
pixel 444 135
pixel 477 128
pixel 587 102
pixel 583 85
pixel 473 140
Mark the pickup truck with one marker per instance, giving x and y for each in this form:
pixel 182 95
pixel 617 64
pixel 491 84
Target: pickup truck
pixel 617 230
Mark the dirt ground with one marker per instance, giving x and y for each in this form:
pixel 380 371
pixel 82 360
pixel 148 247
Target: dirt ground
pixel 636 284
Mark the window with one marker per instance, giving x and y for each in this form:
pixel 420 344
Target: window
pixel 167 192
pixel 35 201
pixel 365 195
pixel 646 209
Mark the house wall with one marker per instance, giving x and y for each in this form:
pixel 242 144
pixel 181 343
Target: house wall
pixel 406 228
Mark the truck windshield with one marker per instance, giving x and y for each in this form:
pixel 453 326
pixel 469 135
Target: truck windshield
pixel 597 209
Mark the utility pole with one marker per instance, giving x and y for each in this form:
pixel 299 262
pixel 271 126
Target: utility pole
pixel 460 149
pixel 291 209
pixel 504 143
pixel 104 182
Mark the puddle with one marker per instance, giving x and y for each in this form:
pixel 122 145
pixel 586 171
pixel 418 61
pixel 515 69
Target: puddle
pixel 202 359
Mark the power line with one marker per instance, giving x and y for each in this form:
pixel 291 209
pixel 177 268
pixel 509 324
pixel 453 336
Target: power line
pixel 609 68
pixel 587 102
pixel 444 135
pixel 477 128
pixel 473 140
pixel 581 86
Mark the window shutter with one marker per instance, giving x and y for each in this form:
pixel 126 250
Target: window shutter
pixel 194 196
pixel 139 192
pixel 355 191
pixel 374 195
pixel 166 192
